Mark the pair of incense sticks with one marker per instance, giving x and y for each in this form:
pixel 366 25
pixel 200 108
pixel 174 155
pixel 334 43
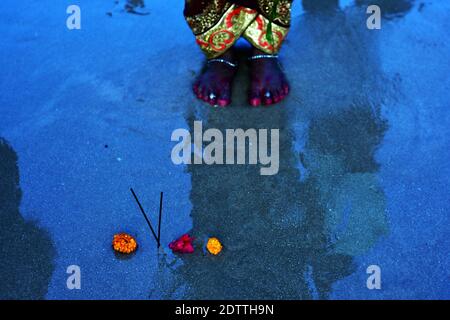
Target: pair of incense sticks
pixel 157 237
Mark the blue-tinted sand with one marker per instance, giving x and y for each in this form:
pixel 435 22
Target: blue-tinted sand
pixel 364 157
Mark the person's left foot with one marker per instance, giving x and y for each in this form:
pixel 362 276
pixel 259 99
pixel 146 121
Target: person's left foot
pixel 268 84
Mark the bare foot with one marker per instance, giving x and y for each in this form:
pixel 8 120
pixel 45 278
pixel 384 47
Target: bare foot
pixel 268 84
pixel 214 84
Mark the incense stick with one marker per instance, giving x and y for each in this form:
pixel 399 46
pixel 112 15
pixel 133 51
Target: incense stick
pixel 159 219
pixel 145 216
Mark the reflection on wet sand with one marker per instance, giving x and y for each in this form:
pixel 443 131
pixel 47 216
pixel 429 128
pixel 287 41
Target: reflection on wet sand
pixel 292 235
pixel 342 107
pixel 27 251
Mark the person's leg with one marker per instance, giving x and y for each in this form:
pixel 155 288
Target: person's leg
pixel 217 25
pixel 214 83
pixel 268 84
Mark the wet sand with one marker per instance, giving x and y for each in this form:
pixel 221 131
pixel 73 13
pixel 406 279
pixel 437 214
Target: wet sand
pixel 27 251
pixel 364 167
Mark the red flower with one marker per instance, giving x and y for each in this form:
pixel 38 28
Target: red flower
pixel 183 244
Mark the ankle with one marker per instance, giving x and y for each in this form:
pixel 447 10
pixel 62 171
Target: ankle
pixel 228 55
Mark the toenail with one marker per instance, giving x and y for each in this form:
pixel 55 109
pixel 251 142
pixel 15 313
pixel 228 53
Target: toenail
pixel 222 102
pixel 255 102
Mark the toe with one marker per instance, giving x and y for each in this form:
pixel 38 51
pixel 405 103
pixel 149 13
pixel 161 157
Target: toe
pixel 199 92
pixel 205 94
pixel 286 89
pixel 195 88
pixel 224 98
pixel 255 102
pixel 212 97
pixel 268 98
pixel 255 97
pixel 282 95
pixel 223 102
pixel 213 102
pixel 277 96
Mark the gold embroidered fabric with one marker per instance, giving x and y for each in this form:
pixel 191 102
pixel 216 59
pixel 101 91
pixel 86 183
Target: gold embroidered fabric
pixel 282 11
pixel 210 14
pixel 220 24
pixel 256 34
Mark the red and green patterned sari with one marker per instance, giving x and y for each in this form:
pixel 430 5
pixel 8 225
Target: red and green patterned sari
pixel 218 24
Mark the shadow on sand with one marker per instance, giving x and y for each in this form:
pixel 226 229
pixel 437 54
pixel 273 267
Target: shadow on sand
pixel 27 251
pixel 294 234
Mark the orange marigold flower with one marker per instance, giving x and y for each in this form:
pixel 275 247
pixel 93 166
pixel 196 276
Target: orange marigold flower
pixel 214 246
pixel 124 243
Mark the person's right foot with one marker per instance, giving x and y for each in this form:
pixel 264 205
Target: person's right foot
pixel 214 84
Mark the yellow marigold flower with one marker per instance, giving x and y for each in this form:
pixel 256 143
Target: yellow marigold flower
pixel 124 243
pixel 214 246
